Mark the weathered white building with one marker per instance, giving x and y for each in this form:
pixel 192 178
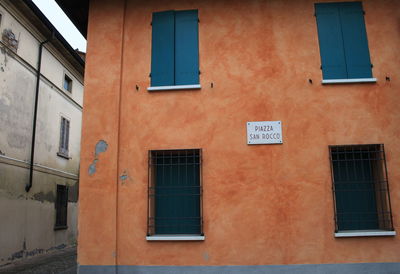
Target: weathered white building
pixel 38 202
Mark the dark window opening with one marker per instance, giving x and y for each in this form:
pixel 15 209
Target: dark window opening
pixel 61 207
pixel 360 187
pixel 67 83
pixel 175 192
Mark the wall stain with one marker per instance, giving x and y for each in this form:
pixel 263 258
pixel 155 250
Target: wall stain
pixel 58 247
pixel 125 177
pixel 34 252
pixel 101 147
pixel 48 197
pixel 5 52
pixel 15 110
pixel 16 255
pixel 9 38
pixel 73 193
pixel 17 141
pixel 24 254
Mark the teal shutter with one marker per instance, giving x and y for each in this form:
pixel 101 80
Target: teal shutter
pixel 355 40
pixel 162 57
pixel 343 41
pixel 186 47
pixel 330 41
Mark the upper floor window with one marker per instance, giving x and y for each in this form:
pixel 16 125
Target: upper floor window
pixel 67 83
pixel 343 42
pixel 175 50
pixel 64 138
pixel 361 190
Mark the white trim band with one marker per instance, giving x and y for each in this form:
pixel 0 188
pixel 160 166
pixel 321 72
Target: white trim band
pixel 175 238
pixel 14 159
pixel 57 170
pixel 174 87
pixel 365 234
pixel 349 81
pixel 25 164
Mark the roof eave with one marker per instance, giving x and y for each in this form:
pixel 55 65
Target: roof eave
pixel 77 11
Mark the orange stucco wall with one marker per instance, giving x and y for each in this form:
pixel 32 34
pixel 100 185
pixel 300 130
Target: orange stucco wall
pixel 266 204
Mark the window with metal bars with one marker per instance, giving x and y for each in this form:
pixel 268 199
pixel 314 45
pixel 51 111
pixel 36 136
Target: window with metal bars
pixel 64 138
pixel 61 207
pixel 175 192
pixel 360 188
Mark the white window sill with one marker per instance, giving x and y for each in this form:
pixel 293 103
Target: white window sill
pixel 175 238
pixel 63 155
pixel 349 81
pixel 174 87
pixel 364 233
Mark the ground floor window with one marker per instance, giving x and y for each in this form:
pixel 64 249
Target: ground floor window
pixel 360 187
pixel 175 192
pixel 61 207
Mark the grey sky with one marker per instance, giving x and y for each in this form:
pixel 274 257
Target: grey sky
pixel 58 18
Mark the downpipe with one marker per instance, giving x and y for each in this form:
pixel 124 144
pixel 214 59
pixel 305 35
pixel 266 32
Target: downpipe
pixel 29 185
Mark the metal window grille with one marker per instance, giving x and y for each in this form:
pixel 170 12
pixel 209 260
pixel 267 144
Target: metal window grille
pixel 360 187
pixel 61 207
pixel 64 137
pixel 175 192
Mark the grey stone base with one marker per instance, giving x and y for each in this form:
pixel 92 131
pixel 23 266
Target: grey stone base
pixel 363 268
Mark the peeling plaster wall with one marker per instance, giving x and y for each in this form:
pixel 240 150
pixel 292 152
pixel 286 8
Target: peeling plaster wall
pixel 17 89
pixel 25 37
pixel 53 64
pixel 16 108
pixel 267 204
pixel 27 219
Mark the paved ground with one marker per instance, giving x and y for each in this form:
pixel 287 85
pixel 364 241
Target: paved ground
pixel 60 262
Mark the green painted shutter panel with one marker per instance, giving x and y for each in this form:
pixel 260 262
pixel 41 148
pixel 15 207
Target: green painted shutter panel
pixel 355 40
pixel 66 136
pixel 162 52
pixel 330 41
pixel 186 47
